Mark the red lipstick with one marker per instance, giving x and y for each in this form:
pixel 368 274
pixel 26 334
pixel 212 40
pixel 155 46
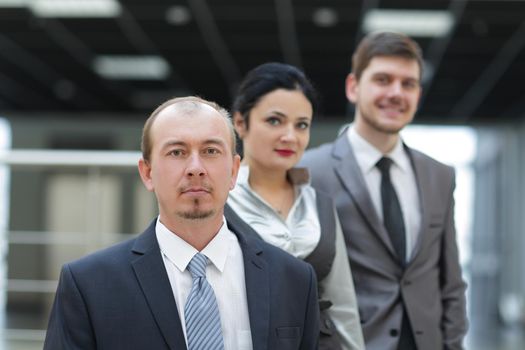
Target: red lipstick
pixel 285 152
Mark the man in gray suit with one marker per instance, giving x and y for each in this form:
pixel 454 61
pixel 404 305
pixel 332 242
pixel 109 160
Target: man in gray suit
pixel 396 206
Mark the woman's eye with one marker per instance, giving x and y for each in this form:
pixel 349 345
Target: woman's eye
pixel 303 125
pixel 273 121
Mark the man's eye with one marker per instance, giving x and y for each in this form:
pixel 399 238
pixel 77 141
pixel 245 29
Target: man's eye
pixel 176 152
pixel 211 151
pixel 410 85
pixel 381 80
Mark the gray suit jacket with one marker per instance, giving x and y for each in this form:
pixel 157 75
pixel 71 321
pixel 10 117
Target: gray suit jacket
pixel 121 298
pixel 431 285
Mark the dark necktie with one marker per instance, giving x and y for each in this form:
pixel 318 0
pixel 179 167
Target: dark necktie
pixel 203 322
pixel 392 213
pixel 394 224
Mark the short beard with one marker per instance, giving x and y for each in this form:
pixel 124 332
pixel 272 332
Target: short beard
pixel 378 127
pixel 196 213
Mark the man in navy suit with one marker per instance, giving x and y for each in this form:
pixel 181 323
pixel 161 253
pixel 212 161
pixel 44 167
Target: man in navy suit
pixel 133 295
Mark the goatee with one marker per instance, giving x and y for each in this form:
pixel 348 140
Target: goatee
pixel 196 213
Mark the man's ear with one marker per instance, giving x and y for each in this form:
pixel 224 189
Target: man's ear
pixel 351 87
pixel 145 174
pixel 420 94
pixel 239 124
pixel 235 170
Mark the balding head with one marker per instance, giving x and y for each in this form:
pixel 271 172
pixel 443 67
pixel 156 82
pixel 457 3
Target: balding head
pixel 185 106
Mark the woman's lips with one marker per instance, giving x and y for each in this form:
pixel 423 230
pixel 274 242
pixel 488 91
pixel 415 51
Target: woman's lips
pixel 285 152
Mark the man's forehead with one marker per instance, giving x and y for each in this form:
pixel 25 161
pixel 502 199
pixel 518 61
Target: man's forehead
pixel 384 64
pixel 202 125
pixel 203 114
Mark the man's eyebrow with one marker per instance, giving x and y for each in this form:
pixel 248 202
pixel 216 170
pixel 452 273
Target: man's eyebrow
pixel 381 73
pixel 214 141
pixel 173 143
pixel 207 142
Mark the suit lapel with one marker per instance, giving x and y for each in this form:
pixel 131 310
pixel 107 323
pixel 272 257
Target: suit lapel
pixel 153 279
pixel 257 279
pixel 423 184
pixel 349 173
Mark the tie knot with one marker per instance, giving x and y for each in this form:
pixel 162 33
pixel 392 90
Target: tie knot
pixel 197 265
pixel 384 165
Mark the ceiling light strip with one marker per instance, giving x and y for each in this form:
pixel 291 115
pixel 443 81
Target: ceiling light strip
pixel 131 67
pixel 75 8
pixel 417 23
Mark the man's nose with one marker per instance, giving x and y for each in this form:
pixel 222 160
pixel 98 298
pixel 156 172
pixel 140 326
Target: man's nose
pixel 396 89
pixel 195 166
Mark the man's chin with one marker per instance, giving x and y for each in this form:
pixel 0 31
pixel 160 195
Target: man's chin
pixel 196 214
pixel 392 130
pixel 389 127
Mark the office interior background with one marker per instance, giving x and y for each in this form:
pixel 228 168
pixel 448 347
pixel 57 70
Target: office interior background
pixel 78 78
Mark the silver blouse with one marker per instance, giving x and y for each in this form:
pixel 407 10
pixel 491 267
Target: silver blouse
pixel 299 234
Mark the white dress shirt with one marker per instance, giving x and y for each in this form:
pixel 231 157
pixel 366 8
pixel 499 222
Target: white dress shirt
pixel 299 235
pixel 225 273
pixel 403 180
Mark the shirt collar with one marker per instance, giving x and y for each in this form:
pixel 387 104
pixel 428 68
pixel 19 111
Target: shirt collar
pixel 367 155
pixel 400 156
pixel 180 252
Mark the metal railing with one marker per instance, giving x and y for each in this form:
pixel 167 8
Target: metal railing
pixel 92 164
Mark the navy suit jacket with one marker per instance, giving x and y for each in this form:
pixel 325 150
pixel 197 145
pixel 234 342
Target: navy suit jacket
pixel 121 298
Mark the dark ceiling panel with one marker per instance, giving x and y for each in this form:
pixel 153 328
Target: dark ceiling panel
pixel 46 65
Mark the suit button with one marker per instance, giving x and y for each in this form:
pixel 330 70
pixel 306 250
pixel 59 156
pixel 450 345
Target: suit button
pixel 328 323
pixel 394 333
pixel 407 283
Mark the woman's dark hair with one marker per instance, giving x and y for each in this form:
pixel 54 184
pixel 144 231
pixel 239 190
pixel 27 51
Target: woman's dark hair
pixel 266 78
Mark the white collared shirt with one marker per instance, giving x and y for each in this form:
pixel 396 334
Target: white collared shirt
pixel 299 235
pixel 403 180
pixel 225 273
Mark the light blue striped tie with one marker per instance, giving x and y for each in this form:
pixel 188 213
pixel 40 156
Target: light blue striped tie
pixel 203 322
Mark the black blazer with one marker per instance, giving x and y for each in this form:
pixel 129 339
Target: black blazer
pixel 121 298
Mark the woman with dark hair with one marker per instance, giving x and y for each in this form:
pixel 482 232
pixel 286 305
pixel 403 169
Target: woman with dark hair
pixel 272 113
